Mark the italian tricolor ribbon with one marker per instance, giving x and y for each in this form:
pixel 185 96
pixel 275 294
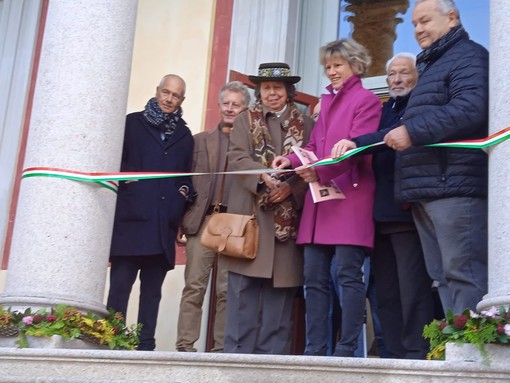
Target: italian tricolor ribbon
pixel 110 180
pixel 481 143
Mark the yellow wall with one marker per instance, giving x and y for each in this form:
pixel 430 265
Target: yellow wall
pixel 172 36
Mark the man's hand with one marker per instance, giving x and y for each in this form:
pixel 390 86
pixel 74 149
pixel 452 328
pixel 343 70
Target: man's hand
pixel 398 139
pixel 341 147
pixel 180 240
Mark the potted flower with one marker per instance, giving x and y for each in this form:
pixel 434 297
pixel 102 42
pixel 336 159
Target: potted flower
pixel 491 326
pixel 69 323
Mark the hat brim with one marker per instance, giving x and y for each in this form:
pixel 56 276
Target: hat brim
pixel 289 79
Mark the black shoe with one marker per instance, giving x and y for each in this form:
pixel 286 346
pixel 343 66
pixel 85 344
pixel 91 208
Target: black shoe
pixel 343 353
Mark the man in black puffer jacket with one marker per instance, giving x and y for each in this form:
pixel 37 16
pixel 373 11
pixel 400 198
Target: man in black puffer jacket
pixel 447 187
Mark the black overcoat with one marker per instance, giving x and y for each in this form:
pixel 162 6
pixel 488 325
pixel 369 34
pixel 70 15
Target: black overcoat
pixel 148 212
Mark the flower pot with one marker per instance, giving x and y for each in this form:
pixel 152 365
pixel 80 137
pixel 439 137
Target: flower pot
pixel 497 354
pixel 54 341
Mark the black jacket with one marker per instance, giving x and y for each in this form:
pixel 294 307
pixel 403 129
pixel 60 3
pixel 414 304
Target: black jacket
pixel 386 208
pixel 148 212
pixel 450 102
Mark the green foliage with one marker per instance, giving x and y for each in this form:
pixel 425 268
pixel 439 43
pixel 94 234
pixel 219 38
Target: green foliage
pixel 70 324
pixel 489 326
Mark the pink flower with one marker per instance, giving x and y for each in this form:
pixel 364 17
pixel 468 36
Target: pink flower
pixel 27 320
pixel 500 328
pixel 473 314
pixel 491 312
pixel 507 329
pixel 51 318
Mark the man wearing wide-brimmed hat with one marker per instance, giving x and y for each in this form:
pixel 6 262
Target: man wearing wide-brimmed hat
pixel 261 291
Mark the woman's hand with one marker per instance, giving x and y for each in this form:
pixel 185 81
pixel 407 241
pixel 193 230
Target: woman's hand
pixel 280 193
pixel 341 147
pixel 280 162
pixel 307 173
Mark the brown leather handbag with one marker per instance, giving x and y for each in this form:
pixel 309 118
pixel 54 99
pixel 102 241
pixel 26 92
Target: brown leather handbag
pixel 235 235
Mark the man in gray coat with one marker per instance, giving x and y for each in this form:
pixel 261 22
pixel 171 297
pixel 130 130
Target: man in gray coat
pixel 210 155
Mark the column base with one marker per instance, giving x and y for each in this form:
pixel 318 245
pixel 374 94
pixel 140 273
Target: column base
pixel 36 303
pixel 490 301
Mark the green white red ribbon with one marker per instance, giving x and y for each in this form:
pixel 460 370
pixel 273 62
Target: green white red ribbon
pixel 110 180
pixel 481 143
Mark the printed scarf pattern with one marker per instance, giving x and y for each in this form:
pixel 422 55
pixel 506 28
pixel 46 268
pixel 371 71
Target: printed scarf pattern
pixel 165 122
pixel 285 213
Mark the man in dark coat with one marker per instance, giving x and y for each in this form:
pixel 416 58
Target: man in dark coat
pixel 148 212
pixel 447 186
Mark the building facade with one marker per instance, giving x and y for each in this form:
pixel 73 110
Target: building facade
pixel 71 70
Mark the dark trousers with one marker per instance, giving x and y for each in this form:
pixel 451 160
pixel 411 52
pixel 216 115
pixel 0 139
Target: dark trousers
pixel 404 291
pixel 259 316
pixel 123 272
pixel 349 277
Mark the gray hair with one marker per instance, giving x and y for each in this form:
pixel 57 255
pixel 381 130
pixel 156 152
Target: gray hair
pixel 349 50
pixel 290 88
pixel 402 55
pixel 174 76
pixel 444 6
pixel 237 87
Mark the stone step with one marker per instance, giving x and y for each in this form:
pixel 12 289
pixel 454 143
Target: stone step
pixel 77 366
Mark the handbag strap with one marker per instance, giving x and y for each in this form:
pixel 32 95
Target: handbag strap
pixel 220 194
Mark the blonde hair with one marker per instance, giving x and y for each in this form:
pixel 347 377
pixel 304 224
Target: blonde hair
pixel 349 50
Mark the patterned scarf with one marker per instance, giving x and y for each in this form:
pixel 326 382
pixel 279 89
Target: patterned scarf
pixel 165 122
pixel 285 213
pixel 437 48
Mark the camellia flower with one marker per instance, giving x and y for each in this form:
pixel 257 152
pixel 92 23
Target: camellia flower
pixel 27 320
pixel 491 312
pixel 70 323
pixel 459 321
pixel 489 326
pixel 473 314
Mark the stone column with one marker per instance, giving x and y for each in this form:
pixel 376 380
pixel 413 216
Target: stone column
pixel 62 231
pixel 374 23
pixel 499 159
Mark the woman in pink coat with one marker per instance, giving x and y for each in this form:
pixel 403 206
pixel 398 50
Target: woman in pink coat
pixel 340 229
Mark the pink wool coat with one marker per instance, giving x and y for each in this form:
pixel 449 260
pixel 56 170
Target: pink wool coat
pixel 351 112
